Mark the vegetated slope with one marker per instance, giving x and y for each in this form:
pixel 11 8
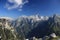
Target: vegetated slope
pixel 7 31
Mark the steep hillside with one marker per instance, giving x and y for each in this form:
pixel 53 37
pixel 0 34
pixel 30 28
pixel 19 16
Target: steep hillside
pixel 7 32
pixel 31 24
pixel 37 26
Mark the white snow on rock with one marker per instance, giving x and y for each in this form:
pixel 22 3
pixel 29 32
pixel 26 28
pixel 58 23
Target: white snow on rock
pixel 7 18
pixel 53 35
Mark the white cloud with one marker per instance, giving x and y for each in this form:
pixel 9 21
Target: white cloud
pixel 17 4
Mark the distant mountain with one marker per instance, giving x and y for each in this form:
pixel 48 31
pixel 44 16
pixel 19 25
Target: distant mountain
pixel 29 23
pixel 37 26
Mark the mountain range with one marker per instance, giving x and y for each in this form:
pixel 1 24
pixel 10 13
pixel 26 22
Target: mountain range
pixel 38 26
pixel 35 26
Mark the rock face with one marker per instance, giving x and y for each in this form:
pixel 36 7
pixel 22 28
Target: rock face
pixel 38 26
pixel 31 24
pixel 7 32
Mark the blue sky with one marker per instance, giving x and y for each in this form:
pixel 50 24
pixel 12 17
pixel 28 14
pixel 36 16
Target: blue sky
pixel 29 7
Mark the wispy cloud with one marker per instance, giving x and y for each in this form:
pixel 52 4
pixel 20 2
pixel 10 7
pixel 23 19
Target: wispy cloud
pixel 17 4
